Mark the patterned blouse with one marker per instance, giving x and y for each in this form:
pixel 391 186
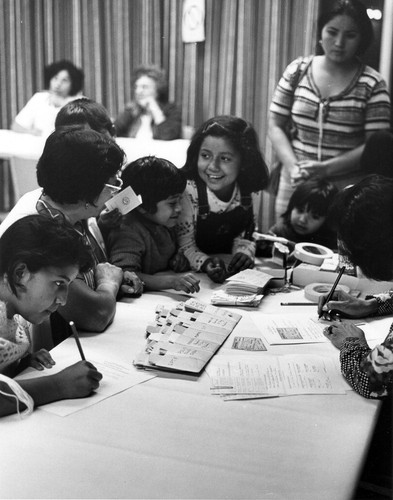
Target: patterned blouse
pixel 370 371
pixel 14 340
pixel 187 221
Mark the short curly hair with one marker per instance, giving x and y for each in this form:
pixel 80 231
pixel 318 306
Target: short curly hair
pixel 254 174
pixel 85 111
pixel 41 242
pixel 158 75
pixel 77 163
pixel 76 74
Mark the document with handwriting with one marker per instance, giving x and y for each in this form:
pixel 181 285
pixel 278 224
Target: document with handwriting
pixel 117 377
pixel 239 377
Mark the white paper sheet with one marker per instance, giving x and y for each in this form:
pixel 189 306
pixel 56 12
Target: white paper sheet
pixel 268 375
pixel 117 377
pixel 290 329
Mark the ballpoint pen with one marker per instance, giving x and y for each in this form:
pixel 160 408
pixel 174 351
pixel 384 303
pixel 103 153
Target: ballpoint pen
pixel 333 289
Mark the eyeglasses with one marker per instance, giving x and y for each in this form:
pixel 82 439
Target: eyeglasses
pixel 115 189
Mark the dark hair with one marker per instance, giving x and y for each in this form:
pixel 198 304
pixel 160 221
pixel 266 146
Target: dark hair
pixel 76 75
pixel 364 220
pixel 41 242
pixel 357 11
pixel 76 164
pixel 254 174
pixel 155 179
pixel 85 111
pixel 158 75
pixel 316 195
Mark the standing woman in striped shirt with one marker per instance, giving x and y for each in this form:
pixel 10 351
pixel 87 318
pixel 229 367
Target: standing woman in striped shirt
pixel 326 106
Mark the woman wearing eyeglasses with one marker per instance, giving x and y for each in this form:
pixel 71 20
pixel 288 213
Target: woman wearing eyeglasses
pixel 78 175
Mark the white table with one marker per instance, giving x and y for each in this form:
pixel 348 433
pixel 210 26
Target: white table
pixel 24 150
pixel 169 438
pixel 31 146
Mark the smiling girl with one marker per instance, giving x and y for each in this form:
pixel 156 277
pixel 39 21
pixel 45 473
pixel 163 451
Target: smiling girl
pixel 224 167
pixel 39 259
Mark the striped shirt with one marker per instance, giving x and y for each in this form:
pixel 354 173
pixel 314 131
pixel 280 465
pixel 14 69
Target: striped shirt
pixel 324 128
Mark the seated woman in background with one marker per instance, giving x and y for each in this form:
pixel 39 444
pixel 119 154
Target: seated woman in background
pixel 145 242
pixel 364 217
pixel 84 111
pixel 326 106
pixel 149 115
pixel 224 167
pixel 63 82
pixel 39 259
pixel 77 172
pixel 306 218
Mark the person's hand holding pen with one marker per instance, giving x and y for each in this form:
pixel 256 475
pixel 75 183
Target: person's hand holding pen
pixel 78 380
pixel 338 332
pixel 346 305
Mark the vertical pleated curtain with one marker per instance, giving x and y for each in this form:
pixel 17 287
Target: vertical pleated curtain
pixel 234 71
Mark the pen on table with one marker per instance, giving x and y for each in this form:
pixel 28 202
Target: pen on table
pixel 76 337
pixel 333 289
pixel 298 304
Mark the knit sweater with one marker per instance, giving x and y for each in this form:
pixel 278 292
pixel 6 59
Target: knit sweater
pixel 139 244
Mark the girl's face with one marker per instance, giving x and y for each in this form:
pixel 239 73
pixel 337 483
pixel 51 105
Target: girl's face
pixel 145 88
pixel 340 39
pixel 42 292
pixel 304 221
pixel 61 84
pixel 168 211
pixel 219 166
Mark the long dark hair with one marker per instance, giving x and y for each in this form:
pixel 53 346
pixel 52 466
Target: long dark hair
pixel 357 11
pixel 254 174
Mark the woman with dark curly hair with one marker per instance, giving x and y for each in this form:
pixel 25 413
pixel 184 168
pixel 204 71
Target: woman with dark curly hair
pixel 63 83
pixel 78 173
pixel 224 167
pixel 149 115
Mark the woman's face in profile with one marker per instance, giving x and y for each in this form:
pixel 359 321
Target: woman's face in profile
pixel 61 83
pixel 145 89
pixel 340 39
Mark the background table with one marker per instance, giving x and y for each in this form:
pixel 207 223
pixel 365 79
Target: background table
pixel 169 438
pixel 24 150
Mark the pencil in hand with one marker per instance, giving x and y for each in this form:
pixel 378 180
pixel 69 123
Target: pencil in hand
pixel 76 337
pixel 333 289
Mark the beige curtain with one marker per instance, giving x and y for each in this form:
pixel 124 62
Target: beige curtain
pixel 234 71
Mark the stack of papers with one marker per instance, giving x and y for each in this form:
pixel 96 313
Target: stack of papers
pixel 243 289
pixel 184 338
pixel 266 376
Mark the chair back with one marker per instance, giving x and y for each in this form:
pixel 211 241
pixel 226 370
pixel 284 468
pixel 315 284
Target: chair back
pixel 23 175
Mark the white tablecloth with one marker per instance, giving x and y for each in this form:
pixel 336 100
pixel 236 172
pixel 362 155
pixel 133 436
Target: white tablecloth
pixel 169 438
pixel 30 147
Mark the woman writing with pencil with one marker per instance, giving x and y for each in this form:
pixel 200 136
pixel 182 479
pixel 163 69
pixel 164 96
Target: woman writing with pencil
pixel 39 259
pixel 364 215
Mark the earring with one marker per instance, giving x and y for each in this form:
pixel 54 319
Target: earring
pixel 320 42
pixel 87 205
